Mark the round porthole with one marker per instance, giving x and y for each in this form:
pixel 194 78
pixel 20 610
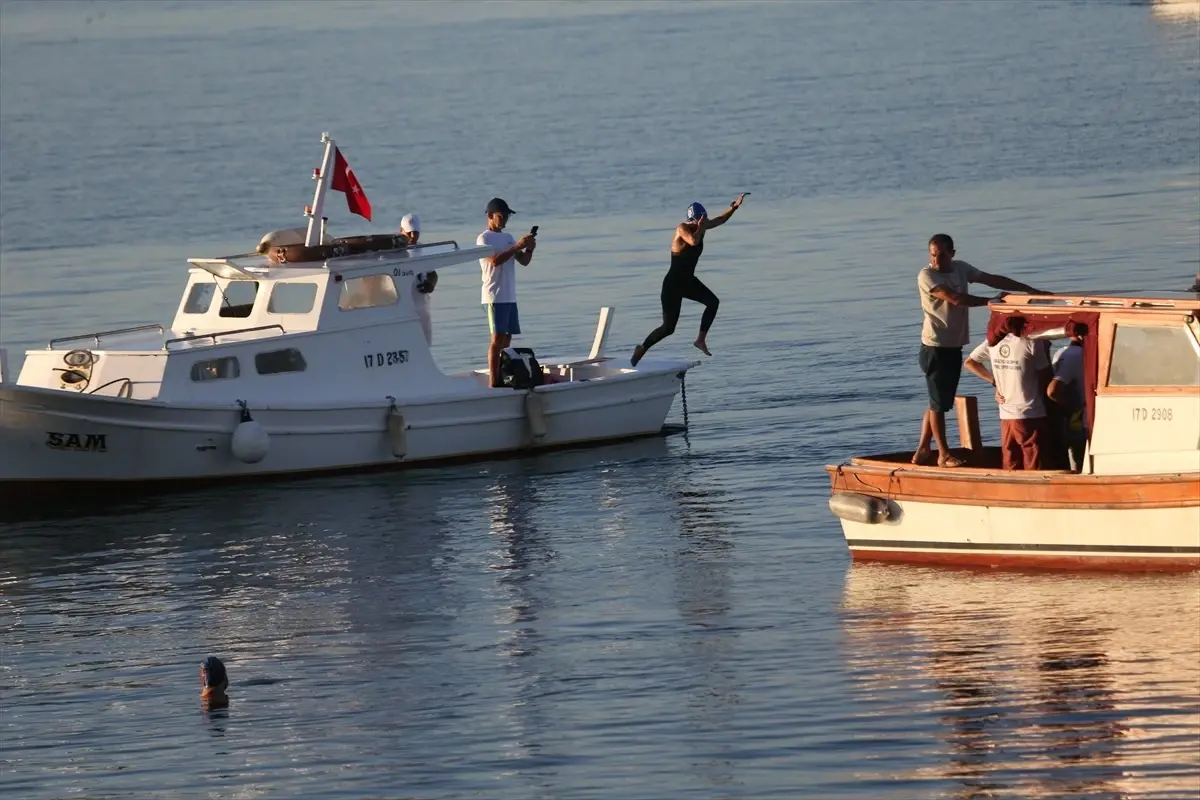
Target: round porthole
pixel 72 376
pixel 79 358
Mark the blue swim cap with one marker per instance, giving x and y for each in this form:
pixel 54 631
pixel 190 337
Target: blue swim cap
pixel 695 211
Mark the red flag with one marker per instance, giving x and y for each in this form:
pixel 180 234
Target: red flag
pixel 344 181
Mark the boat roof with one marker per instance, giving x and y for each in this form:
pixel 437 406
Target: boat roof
pixel 258 266
pixel 1094 301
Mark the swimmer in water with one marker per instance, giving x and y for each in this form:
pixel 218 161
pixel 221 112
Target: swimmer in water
pixel 213 683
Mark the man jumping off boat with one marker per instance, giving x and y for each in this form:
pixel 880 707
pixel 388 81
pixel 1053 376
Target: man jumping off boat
pixel 681 281
pixel 942 285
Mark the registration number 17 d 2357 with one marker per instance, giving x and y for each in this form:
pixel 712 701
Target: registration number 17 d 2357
pixel 388 358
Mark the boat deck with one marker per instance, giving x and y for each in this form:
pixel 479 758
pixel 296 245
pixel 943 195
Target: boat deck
pixel 981 461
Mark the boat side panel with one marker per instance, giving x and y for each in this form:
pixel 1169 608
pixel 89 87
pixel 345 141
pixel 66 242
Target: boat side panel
pixel 1017 489
pixel 1146 434
pixel 1011 536
pixel 56 436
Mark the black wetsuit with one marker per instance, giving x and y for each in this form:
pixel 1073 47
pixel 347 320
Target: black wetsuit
pixel 680 283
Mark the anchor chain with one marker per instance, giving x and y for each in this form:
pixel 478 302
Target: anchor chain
pixel 683 394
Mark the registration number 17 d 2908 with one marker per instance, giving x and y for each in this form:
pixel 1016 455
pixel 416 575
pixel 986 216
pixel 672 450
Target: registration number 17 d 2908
pixel 388 358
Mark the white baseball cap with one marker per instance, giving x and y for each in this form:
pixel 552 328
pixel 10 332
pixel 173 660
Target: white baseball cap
pixel 411 223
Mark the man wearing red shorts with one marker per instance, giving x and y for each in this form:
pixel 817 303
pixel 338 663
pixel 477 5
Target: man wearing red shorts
pixel 1020 368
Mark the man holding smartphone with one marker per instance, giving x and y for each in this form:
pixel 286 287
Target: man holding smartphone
pixel 499 276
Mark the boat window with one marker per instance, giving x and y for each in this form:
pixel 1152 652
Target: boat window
pixel 277 361
pixel 1154 356
pixel 369 291
pixel 292 298
pixel 215 369
pixel 238 300
pixel 199 298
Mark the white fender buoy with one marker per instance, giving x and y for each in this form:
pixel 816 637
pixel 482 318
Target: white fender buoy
pixel 250 441
pixel 536 414
pixel 396 430
pixel 859 507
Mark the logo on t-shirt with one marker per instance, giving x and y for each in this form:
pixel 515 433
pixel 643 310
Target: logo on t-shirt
pixel 1005 350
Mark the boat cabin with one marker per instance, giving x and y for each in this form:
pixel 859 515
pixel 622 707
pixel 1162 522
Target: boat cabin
pixel 1141 357
pixel 263 321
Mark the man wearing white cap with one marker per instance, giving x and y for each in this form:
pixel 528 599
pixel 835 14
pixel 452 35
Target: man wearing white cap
pixel 410 228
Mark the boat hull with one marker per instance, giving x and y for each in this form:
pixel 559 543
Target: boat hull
pixel 1031 520
pixel 56 439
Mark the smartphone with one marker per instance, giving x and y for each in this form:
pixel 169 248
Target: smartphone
pixel 533 230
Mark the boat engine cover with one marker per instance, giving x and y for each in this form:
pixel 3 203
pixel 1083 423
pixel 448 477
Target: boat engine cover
pixel 519 369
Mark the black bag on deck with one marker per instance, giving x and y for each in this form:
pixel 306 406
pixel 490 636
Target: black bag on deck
pixel 519 369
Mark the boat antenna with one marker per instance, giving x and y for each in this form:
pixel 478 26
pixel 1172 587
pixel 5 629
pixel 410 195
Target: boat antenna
pixel 316 231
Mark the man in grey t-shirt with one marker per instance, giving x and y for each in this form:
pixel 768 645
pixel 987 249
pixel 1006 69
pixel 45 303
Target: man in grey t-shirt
pixel 943 285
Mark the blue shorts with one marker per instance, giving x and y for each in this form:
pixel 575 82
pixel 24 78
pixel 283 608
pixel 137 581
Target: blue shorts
pixel 502 318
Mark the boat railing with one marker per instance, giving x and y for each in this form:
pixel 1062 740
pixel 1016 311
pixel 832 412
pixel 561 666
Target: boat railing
pixel 195 337
pixel 101 334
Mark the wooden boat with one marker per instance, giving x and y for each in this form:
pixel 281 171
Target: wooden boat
pixel 1134 503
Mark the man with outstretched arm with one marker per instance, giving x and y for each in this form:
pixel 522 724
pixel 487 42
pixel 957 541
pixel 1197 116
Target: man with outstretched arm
pixel 942 285
pixel 499 276
pixel 681 282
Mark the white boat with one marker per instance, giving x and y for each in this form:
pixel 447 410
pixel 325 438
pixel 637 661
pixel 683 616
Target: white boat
pixel 1134 503
pixel 310 358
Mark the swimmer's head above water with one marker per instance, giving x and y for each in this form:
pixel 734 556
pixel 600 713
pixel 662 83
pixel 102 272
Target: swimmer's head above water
pixel 213 683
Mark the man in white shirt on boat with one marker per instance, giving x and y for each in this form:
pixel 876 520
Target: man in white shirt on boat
pixel 1066 389
pixel 410 229
pixel 499 276
pixel 942 285
pixel 1020 368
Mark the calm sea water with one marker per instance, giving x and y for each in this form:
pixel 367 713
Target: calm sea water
pixel 670 618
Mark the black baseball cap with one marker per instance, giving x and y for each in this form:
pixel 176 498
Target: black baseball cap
pixel 497 205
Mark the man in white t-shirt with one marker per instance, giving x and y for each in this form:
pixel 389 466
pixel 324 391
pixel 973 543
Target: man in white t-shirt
pixel 1066 389
pixel 942 285
pixel 499 274
pixel 1020 368
pixel 410 229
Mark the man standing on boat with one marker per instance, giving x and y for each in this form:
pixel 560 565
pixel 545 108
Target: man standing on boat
pixel 1020 368
pixel 681 282
pixel 410 229
pixel 1066 389
pixel 499 276
pixel 942 285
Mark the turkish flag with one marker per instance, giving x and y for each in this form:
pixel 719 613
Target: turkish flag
pixel 344 181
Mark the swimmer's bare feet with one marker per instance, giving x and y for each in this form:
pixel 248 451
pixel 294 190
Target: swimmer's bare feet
pixel 701 345
pixel 638 352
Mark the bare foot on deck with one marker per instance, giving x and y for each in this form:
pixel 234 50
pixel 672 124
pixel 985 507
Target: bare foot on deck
pixel 923 457
pixel 638 352
pixel 950 461
pixel 700 344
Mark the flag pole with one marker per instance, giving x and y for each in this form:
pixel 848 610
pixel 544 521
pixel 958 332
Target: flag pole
pixel 316 233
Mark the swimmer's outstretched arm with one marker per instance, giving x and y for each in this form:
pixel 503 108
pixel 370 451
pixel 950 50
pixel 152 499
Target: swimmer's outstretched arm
pixel 721 218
